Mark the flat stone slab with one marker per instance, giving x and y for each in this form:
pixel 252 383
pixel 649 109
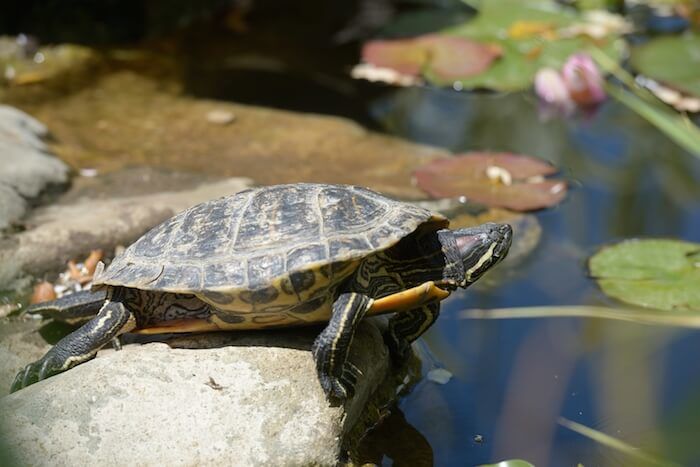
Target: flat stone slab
pixel 125 118
pixel 60 232
pixel 228 399
pixel 26 167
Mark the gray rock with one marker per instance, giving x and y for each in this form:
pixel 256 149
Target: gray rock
pixel 20 343
pixel 12 205
pixel 20 127
pixel 26 168
pixel 58 233
pixel 133 181
pixel 253 399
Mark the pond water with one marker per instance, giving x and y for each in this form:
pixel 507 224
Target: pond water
pixel 513 380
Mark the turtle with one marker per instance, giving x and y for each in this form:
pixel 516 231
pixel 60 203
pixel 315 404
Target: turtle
pixel 280 256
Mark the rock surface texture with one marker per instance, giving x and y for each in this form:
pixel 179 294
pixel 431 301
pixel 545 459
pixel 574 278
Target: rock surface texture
pixel 125 118
pixel 226 399
pixel 26 167
pixel 20 343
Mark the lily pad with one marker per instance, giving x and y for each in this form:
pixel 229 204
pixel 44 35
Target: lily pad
pixel 673 60
pixel 495 179
pixel 533 35
pixel 445 57
pixel 656 273
pixel 529 36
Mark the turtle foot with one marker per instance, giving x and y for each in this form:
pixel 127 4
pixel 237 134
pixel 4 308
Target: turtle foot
pixel 49 365
pixel 339 389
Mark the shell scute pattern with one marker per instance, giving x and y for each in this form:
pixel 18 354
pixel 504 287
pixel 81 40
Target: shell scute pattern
pixel 204 232
pixel 350 214
pixel 177 277
pixel 261 269
pixel 155 242
pixel 344 247
pixel 258 245
pixel 305 255
pixel 225 275
pixel 277 216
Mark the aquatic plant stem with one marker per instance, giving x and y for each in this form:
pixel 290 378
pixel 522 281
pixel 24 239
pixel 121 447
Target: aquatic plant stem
pixel 636 315
pixel 614 443
pixel 679 128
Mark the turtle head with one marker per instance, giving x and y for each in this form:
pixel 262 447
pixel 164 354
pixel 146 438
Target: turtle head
pixel 481 248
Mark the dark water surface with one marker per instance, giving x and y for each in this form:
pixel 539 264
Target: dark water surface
pixel 513 379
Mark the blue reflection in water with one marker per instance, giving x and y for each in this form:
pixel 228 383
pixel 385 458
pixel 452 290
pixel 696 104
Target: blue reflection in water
pixel 513 379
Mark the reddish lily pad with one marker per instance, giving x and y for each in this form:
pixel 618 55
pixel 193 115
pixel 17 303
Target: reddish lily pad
pixel 495 179
pixel 444 57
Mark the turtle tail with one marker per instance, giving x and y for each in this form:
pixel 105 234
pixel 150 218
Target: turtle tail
pixel 75 307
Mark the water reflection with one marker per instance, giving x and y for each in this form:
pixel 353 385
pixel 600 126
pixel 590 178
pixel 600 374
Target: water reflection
pixel 396 441
pixel 513 379
pixel 635 181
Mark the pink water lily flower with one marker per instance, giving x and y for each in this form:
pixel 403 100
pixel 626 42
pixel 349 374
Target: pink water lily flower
pixel 583 80
pixel 578 85
pixel 552 90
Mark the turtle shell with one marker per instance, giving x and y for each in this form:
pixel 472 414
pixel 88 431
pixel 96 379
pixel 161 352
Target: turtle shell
pixel 254 239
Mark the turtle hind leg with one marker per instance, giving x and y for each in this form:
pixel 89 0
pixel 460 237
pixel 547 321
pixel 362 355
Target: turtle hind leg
pixel 330 349
pixel 79 346
pixel 407 326
pixel 77 306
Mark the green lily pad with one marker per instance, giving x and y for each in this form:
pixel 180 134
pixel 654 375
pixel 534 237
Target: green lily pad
pixel 494 179
pixel 524 54
pixel 529 35
pixel 662 274
pixel 672 60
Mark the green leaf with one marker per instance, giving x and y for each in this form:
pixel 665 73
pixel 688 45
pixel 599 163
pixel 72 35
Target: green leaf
pixel 662 274
pixel 523 55
pixel 672 60
pixel 679 128
pixel 528 35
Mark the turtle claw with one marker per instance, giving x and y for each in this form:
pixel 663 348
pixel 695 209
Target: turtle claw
pixel 49 365
pixel 353 370
pixel 24 378
pixel 18 382
pixel 337 390
pixel 342 387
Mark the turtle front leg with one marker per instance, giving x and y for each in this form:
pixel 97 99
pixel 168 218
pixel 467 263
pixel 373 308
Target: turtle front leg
pixel 330 349
pixel 79 346
pixel 407 326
